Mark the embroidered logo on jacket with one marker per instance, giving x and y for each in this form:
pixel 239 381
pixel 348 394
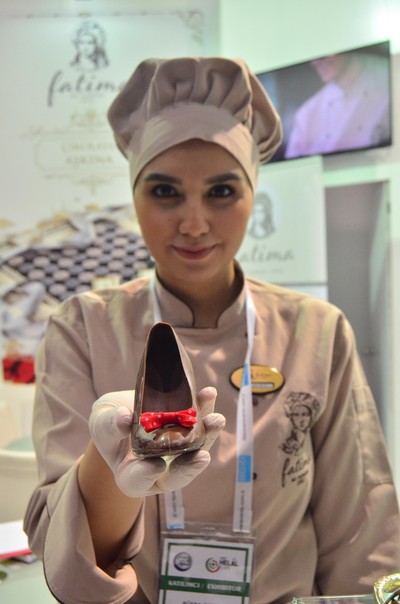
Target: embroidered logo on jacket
pixel 302 410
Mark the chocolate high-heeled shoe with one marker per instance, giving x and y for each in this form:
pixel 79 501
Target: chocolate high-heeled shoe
pixel 166 419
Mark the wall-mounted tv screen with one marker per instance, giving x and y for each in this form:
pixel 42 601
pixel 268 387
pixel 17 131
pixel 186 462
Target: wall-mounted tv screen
pixel 332 104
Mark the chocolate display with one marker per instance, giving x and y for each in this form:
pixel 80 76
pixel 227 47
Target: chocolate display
pixel 71 269
pixel 67 254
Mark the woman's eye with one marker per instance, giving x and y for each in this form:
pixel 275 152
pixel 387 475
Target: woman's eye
pixel 221 190
pixel 164 190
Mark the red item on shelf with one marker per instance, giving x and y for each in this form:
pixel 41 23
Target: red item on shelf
pixel 19 369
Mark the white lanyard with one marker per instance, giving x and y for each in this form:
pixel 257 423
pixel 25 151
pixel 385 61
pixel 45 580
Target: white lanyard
pixel 242 511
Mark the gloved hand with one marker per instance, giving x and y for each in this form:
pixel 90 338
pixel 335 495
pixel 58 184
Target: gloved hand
pixel 110 426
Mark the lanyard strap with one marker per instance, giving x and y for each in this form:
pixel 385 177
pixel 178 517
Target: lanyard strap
pixel 242 510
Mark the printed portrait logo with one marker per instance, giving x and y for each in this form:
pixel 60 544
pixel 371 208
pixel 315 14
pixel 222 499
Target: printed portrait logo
pixel 183 561
pixel 302 409
pixel 261 223
pixel 261 247
pixel 89 60
pixel 89 43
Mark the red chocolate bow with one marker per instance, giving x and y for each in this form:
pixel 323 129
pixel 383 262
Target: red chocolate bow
pixel 152 420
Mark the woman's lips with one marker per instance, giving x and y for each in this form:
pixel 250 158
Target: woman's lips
pixel 194 253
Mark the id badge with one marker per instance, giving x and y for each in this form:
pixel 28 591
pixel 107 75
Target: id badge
pixel 203 571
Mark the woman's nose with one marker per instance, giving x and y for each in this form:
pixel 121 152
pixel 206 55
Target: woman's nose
pixel 194 220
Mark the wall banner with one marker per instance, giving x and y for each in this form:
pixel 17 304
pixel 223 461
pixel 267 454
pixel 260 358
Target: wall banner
pixel 66 219
pixel 59 77
pixel 285 242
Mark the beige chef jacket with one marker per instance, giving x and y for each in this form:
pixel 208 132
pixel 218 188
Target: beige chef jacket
pixel 325 515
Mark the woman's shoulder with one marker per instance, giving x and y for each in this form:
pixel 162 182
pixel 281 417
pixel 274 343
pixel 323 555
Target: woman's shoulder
pixel 286 300
pixel 294 310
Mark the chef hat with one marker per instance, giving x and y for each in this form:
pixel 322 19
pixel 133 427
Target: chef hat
pixel 168 101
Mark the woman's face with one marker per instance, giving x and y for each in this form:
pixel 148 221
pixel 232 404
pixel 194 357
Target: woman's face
pixel 193 203
pixel 331 67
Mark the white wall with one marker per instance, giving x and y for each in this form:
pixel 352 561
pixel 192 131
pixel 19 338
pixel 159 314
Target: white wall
pixel 272 33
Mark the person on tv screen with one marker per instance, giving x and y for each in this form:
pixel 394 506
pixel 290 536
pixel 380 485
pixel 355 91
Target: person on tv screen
pixel 293 460
pixel 350 111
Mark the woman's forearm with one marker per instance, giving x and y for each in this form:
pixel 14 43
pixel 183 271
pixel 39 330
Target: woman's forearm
pixel 111 514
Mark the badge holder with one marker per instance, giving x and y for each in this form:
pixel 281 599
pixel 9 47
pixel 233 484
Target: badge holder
pixel 204 564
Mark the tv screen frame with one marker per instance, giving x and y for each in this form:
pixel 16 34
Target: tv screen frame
pixel 334 104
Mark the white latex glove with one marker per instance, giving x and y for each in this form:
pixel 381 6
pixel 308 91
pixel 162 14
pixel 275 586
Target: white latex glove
pixel 110 426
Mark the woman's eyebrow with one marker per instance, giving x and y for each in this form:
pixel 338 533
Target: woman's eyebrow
pixel 223 178
pixel 158 176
